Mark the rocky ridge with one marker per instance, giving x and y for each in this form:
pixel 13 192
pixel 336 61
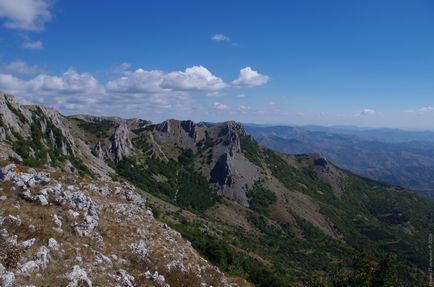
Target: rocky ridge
pixel 58 229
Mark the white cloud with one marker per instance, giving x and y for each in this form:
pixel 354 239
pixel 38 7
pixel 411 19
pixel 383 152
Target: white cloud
pixel 241 96
pixel 220 38
pixel 71 88
pixel 196 78
pixel 36 45
pixel 249 78
pixel 220 106
pixel 367 112
pixel 139 81
pixel 427 109
pixel 139 93
pixel 20 67
pixel 272 103
pixel 30 15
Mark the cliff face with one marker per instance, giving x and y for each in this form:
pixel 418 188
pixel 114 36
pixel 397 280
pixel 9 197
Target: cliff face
pixel 120 142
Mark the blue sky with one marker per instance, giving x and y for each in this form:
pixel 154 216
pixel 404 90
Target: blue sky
pixel 345 62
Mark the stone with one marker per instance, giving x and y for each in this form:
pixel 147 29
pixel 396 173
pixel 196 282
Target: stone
pixel 26 244
pixel 53 244
pixel 27 195
pixel 7 279
pixel 123 278
pixel 41 200
pixel 157 278
pixel 77 277
pixel 139 249
pixel 15 220
pixel 101 259
pixel 41 257
pixel 57 223
pixel 27 268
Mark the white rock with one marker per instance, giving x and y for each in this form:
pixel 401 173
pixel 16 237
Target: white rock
pixel 41 257
pixel 123 278
pixel 7 279
pixel 101 259
pixel 52 244
pixel 77 276
pixel 8 239
pixel 15 220
pixel 57 220
pixel 139 249
pixel 73 213
pixel 27 195
pixel 27 268
pixel 26 244
pixel 157 278
pixel 41 200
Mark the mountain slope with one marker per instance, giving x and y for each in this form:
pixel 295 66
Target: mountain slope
pixel 392 156
pixel 272 218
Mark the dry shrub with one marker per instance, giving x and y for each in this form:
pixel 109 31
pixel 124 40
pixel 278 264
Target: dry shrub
pixel 9 255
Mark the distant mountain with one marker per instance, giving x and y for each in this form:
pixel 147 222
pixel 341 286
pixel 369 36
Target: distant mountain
pixel 261 217
pixel 393 156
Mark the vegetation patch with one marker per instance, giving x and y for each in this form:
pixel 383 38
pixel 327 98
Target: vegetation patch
pixel 99 127
pixel 251 150
pixel 260 198
pixel 184 186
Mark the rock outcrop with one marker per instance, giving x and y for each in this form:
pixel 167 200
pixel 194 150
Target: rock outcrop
pixel 120 142
pixel 108 230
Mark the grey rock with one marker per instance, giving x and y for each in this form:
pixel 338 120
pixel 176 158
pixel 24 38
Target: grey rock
pixel 26 244
pixel 41 200
pixel 7 279
pixel 123 278
pixel 77 276
pixel 139 249
pixel 120 142
pixel 27 268
pixel 42 257
pixel 53 244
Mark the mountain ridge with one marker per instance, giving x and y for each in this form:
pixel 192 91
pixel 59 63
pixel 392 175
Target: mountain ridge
pixel 272 218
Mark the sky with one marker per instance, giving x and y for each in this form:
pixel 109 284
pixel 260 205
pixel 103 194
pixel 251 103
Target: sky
pixel 338 62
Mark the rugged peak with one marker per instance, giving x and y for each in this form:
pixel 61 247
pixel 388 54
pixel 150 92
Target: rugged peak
pixel 190 128
pixel 120 142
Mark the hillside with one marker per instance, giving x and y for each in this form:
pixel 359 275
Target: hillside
pixel 403 158
pixel 273 219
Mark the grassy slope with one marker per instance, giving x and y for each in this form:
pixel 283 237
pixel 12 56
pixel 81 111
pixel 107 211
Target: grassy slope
pixel 370 216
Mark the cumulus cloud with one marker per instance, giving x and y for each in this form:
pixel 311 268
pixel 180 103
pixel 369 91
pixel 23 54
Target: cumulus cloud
pixel 36 45
pixel 138 93
pixel 20 67
pixel 196 78
pixel 249 78
pixel 29 15
pixel 139 81
pixel 69 89
pixel 220 38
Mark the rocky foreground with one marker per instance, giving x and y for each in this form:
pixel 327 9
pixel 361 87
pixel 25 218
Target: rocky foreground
pixel 62 230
